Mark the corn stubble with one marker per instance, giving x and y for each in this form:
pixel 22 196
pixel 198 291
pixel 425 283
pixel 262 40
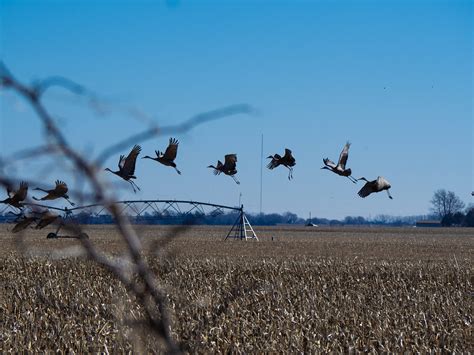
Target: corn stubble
pixel 259 302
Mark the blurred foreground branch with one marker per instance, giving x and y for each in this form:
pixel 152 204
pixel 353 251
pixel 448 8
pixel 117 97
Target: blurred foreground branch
pixel 133 271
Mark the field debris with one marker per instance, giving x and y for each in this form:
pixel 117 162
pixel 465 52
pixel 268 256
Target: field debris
pixel 250 298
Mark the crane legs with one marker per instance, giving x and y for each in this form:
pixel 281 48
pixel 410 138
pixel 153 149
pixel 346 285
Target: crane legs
pixel 235 179
pixel 133 186
pixel 72 203
pixel 352 179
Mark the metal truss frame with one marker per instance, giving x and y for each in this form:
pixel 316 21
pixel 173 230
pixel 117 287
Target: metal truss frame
pixel 241 229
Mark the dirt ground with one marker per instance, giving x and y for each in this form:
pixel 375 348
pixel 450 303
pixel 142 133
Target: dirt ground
pixel 448 244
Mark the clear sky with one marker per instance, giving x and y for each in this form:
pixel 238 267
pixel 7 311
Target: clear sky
pixel 392 77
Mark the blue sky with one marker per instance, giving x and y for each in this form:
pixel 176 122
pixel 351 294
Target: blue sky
pixel 392 77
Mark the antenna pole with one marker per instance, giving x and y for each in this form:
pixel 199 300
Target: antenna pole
pixel 261 173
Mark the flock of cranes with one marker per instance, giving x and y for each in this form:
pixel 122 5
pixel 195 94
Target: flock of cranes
pixel 127 165
pixel 42 218
pixel 377 185
pixel 126 171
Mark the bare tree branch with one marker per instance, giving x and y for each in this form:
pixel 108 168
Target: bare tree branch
pixel 175 129
pixel 143 284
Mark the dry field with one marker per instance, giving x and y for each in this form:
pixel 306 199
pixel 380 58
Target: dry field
pixel 310 289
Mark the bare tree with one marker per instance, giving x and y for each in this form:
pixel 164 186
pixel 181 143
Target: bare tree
pixel 445 203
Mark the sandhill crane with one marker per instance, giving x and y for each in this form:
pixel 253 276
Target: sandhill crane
pixel 127 166
pixel 377 185
pixel 228 168
pixel 16 197
pixel 43 218
pixel 167 158
pixel 287 161
pixel 23 222
pixel 46 219
pixel 59 191
pixel 340 168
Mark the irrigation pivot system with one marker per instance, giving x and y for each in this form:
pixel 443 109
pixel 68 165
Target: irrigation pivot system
pixel 182 211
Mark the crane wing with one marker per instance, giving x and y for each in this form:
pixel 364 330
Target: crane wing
pixel 367 189
pixel 230 161
pixel 121 162
pixel 10 192
pixel 343 156
pixel 22 191
pixel 288 157
pixel 172 150
pixel 46 219
pixel 129 164
pixel 61 187
pixel 274 162
pixel 329 163
pixel 23 224
pixel 218 168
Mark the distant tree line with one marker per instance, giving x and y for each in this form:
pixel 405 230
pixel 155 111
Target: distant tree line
pixel 271 219
pixel 259 219
pixel 449 209
pixel 446 207
pixel 459 219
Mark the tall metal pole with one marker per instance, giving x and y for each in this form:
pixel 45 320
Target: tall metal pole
pixel 261 173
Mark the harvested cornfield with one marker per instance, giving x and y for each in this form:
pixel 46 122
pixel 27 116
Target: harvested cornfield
pixel 307 290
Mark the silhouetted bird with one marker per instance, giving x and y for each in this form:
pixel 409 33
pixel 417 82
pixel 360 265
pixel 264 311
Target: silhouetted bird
pixel 43 219
pixel 24 222
pixel 60 191
pixel 228 168
pixel 46 219
pixel 127 166
pixel 374 186
pixel 340 168
pixel 287 161
pixel 15 198
pixel 167 158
